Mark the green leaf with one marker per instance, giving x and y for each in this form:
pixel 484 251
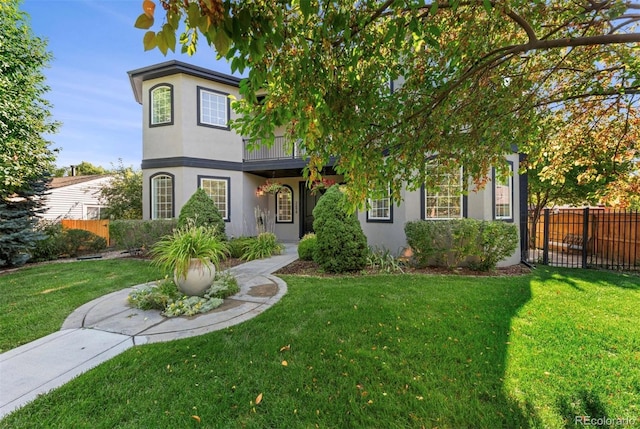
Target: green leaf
pixel 173 19
pixel 170 36
pixel 222 42
pixel 487 5
pixel 305 7
pixel 162 42
pixel 144 22
pixel 244 19
pixel 149 41
pixel 193 15
pixel 434 8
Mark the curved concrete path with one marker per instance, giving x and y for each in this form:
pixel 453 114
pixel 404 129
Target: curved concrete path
pixel 107 326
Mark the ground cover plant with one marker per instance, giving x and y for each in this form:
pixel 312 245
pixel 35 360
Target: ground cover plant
pixel 35 301
pixel 383 351
pixel 165 296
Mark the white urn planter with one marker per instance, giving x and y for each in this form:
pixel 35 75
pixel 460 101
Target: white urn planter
pixel 199 278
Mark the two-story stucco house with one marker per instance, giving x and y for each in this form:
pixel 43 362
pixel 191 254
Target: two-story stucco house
pixel 187 144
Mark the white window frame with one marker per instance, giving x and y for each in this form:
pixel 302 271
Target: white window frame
pixel 167 211
pixel 85 211
pixel 221 200
pixel 509 193
pixel 154 105
pixel 284 214
pixel 447 196
pixel 213 112
pixel 380 204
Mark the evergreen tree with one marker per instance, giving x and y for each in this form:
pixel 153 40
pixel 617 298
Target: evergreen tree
pixel 201 209
pixel 18 218
pixel 340 243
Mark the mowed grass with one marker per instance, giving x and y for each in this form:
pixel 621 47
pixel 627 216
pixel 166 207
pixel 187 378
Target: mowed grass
pixel 398 351
pixel 35 301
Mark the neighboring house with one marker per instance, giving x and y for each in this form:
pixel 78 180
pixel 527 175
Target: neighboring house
pixel 75 197
pixel 187 143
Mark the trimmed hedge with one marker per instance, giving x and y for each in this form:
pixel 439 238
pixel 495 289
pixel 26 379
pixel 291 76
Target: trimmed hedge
pixel 451 243
pixel 139 235
pixel 341 245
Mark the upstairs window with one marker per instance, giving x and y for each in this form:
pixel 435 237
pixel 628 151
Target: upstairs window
pixel 444 201
pixel 284 205
pixel 380 209
pixel 218 190
pixel 161 105
pixel 503 195
pixel 213 108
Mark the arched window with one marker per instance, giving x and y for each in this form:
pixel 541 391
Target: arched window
pixel 161 105
pixel 162 196
pixel 284 205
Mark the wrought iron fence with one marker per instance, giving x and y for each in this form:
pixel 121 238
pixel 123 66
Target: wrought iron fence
pixel 585 238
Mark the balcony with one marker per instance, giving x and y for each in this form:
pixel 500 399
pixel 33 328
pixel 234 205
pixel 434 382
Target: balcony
pixel 283 148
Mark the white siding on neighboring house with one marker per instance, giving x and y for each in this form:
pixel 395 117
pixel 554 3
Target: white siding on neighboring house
pixel 74 197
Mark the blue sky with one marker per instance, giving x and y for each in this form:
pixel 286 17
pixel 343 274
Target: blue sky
pixel 94 45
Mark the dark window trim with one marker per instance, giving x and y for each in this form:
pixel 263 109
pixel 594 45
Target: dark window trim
pixel 493 194
pixel 153 88
pixel 199 107
pixel 228 180
pixel 292 202
pixel 173 193
pixel 375 220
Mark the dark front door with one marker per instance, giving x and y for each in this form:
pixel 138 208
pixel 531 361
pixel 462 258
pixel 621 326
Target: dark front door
pixel 308 202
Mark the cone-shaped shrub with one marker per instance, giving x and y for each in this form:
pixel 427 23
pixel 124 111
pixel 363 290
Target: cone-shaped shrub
pixel 340 243
pixel 204 212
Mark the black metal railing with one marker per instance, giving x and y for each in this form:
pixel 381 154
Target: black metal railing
pixel 282 148
pixel 584 238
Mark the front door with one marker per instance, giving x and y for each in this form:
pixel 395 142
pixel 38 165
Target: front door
pixel 308 202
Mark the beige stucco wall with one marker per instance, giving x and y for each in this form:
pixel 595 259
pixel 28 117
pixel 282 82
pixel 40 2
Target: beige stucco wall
pixel 185 138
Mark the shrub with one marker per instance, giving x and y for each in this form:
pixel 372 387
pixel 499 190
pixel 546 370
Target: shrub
pixel 49 248
pixel 497 241
pixel 238 245
pixel 265 245
pixel 204 212
pixel 341 245
pixel 480 244
pixel 139 235
pixel 76 241
pixel 307 247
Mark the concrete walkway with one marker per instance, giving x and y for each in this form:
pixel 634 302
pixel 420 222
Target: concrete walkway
pixel 107 326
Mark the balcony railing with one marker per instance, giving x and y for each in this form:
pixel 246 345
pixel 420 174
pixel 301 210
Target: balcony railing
pixel 282 148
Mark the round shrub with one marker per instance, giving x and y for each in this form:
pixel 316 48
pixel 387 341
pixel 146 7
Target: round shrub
pixel 203 211
pixel 341 245
pixel 307 247
pixel 77 241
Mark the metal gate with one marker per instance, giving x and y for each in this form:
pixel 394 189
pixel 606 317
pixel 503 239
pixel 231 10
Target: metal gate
pixel 584 238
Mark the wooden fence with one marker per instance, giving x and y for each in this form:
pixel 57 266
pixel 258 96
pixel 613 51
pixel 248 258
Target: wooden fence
pixel 98 227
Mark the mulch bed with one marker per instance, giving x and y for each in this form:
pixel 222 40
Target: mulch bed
pixel 310 268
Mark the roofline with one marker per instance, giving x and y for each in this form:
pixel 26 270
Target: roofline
pixel 168 68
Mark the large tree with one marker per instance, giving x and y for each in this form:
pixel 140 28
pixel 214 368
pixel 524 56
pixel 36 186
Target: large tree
pixel 123 195
pixel 470 78
pixel 24 112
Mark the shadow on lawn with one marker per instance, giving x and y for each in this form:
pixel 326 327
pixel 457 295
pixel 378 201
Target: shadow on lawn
pixel 571 276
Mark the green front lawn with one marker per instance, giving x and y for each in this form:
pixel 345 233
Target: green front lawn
pixel 385 352
pixel 35 301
